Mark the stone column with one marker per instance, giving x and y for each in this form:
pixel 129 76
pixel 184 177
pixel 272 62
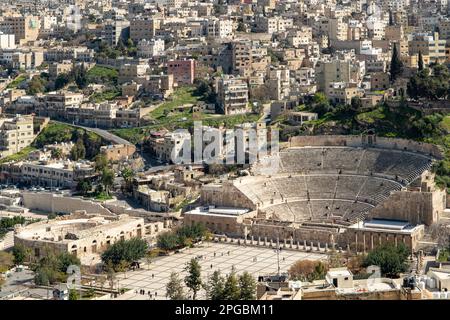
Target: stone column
pixel 252 239
pixel 304 244
pixel 364 242
pixel 291 243
pixel 298 245
pixel 265 241
pixel 395 240
pixel 326 247
pixel 371 241
pixel 285 243
pixel 318 246
pixel 356 242
pixel 259 240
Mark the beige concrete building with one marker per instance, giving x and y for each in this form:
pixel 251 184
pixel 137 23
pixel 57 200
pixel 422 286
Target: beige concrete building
pixel 15 134
pixel 55 69
pixel 232 95
pixel 429 45
pixel 144 28
pixel 24 28
pixel 118 152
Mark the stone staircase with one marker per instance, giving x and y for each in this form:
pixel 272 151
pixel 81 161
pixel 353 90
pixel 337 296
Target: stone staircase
pixel 8 241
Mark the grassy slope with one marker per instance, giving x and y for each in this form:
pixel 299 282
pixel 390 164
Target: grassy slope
pixel 15 83
pixel 180 120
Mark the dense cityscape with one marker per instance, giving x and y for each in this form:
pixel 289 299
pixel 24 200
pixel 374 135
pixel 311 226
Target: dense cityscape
pixel 224 150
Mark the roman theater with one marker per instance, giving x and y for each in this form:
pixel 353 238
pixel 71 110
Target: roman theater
pixel 330 191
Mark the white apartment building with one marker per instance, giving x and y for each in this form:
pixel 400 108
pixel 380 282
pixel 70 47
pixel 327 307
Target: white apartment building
pixel 220 28
pixel 150 48
pixel 7 41
pixel 55 173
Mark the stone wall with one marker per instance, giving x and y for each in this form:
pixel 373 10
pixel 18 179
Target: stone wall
pixel 225 195
pixel 359 141
pixel 48 202
pixel 305 236
pixel 413 206
pixel 96 241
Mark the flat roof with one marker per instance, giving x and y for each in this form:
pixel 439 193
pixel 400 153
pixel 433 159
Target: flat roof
pixel 218 211
pixel 339 273
pixel 385 224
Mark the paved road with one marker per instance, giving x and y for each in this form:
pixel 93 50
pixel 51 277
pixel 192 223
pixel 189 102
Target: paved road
pixel 102 133
pixel 16 282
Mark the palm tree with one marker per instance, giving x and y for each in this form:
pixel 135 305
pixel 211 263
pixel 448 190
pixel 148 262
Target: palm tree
pixel 107 179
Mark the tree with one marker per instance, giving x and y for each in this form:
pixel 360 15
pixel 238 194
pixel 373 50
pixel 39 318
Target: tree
pixel 124 252
pixel 6 261
pixel 52 268
pixel 174 288
pixel 240 27
pixel 107 179
pixel 231 289
pixel 320 104
pixel 61 81
pixel 67 259
pixel 73 295
pixel 335 259
pixel 84 186
pixel 356 103
pixel 101 162
pixel 396 64
pixel 80 76
pixel 420 61
pixel 20 253
pixel 390 258
pixel 56 153
pixel 78 151
pixel 215 286
pixel 307 270
pixel 36 85
pixel 193 280
pixel 128 175
pixel 248 286
pixel 167 241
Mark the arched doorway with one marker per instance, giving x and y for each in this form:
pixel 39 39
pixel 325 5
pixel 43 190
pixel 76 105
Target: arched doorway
pixel 139 231
pixel 94 246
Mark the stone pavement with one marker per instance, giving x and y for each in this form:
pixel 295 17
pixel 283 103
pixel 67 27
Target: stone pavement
pixel 220 256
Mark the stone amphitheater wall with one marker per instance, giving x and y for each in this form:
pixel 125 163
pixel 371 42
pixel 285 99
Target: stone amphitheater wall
pixel 413 206
pixel 48 202
pixel 359 141
pixel 226 195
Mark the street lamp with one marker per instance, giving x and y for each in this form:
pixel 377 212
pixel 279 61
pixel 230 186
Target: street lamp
pixel 277 250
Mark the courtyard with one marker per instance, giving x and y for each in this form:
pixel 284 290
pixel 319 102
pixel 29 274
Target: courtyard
pixel 212 256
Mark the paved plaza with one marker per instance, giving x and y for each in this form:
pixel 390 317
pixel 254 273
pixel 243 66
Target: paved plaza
pixel 258 261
